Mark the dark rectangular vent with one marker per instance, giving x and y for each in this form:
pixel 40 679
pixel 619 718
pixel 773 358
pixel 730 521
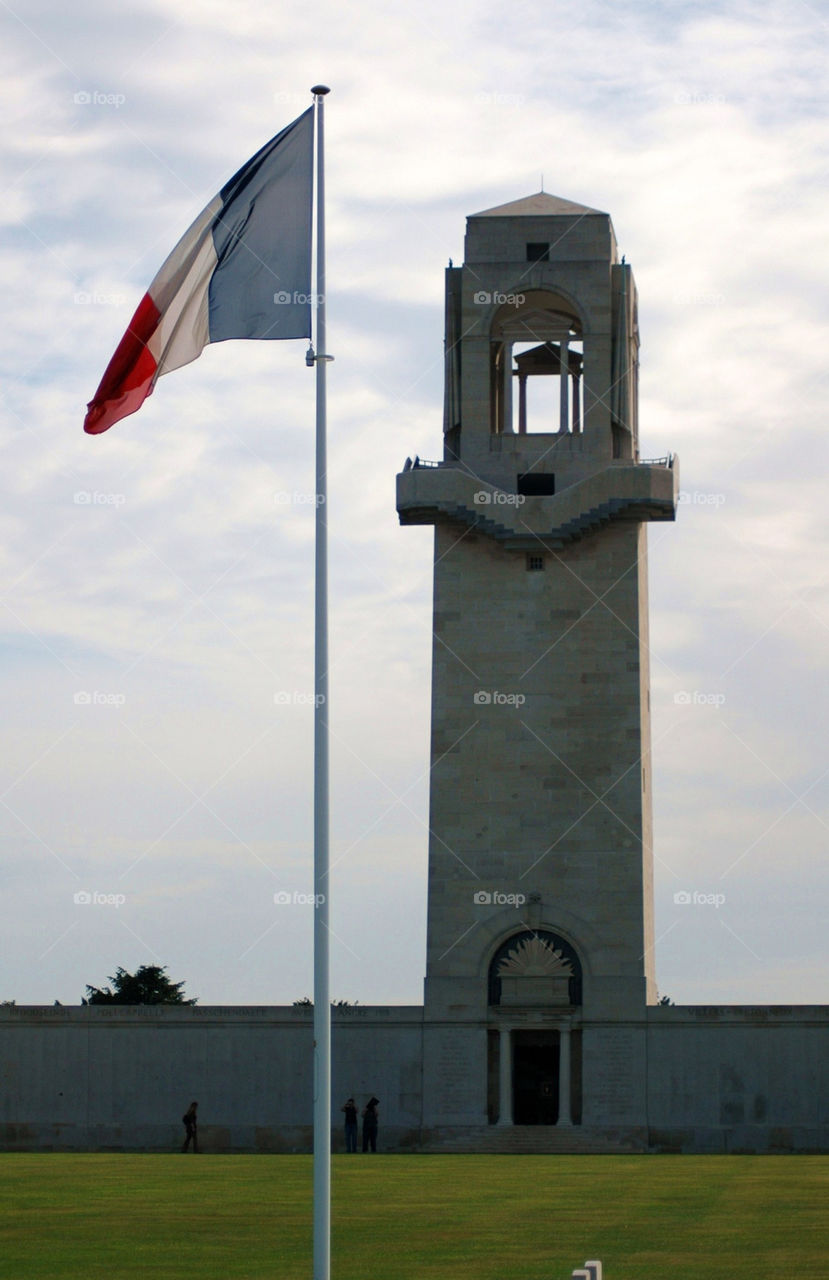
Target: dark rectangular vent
pixel 536 485
pixel 538 253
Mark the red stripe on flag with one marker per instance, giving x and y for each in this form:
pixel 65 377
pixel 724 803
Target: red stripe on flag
pixel 129 375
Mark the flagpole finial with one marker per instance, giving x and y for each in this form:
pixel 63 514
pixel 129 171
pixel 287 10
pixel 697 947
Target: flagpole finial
pixel 320 90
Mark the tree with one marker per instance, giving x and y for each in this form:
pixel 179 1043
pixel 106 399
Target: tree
pixel 148 985
pixel 307 1003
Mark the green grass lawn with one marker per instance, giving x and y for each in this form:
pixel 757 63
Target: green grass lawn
pixel 416 1217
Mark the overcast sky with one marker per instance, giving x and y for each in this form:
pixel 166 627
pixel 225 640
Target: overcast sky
pixel 153 571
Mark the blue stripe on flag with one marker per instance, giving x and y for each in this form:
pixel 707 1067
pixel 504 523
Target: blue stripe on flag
pixel 261 287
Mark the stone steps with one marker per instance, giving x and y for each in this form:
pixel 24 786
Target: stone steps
pixel 529 1140
pixel 570 531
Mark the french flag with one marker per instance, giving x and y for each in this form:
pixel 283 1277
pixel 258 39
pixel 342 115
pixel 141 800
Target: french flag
pixel 242 270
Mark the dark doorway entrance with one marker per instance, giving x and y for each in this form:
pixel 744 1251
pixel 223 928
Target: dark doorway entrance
pixel 535 1077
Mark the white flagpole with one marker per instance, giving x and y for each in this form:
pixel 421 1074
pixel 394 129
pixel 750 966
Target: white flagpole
pixel 322 1003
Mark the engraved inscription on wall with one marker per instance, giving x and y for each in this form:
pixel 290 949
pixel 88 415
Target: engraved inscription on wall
pixel 613 1067
pixel 456 1060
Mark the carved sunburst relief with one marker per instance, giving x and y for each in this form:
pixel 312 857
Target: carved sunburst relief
pixel 534 958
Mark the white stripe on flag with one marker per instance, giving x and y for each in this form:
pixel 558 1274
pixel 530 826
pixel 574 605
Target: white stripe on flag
pixel 180 291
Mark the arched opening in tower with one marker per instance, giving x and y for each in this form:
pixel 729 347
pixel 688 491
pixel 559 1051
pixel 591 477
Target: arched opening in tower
pixel 537 365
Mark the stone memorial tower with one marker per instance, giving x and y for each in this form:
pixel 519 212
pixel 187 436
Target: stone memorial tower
pixel 540 918
pixel 540 1030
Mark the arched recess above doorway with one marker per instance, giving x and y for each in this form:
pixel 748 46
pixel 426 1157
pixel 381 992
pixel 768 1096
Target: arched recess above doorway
pixel 535 968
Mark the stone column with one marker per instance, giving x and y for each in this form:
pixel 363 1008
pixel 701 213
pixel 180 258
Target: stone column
pixel 564 1118
pixel 522 404
pixel 505 1076
pixel 564 369
pixel 576 404
pixel 506 384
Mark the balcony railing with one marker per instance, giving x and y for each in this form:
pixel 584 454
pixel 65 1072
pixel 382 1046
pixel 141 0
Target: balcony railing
pixel 409 465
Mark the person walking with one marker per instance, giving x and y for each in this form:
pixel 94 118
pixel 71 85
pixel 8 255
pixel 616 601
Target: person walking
pixel 350 1109
pixel 191 1126
pixel 370 1124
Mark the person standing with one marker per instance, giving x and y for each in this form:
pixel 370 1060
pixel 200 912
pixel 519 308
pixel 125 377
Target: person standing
pixel 370 1124
pixel 350 1109
pixel 191 1126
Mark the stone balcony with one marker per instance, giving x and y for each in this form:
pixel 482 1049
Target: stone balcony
pixel 621 491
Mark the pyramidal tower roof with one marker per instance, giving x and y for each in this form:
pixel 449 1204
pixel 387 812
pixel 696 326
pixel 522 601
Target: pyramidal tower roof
pixel 540 205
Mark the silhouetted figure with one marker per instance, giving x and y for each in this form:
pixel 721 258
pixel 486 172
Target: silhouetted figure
pixel 191 1125
pixel 370 1124
pixel 350 1109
